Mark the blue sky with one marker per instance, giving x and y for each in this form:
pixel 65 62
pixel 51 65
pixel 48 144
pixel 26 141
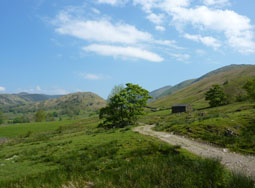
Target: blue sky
pixel 64 46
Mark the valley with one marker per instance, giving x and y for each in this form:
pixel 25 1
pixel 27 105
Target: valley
pixel 75 151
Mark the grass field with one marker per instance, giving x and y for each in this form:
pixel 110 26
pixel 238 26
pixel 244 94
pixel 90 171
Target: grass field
pixel 230 126
pixel 79 154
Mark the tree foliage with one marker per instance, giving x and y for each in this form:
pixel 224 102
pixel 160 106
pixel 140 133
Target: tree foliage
pixel 115 90
pixel 250 88
pixel 216 96
pixel 124 107
pixel 1 118
pixel 40 116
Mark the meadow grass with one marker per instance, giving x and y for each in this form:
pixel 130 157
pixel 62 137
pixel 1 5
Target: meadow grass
pixel 230 126
pixel 80 154
pixel 22 129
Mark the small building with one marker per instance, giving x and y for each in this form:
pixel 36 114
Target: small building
pixel 178 108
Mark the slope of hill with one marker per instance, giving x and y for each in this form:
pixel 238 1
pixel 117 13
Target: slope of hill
pixel 168 90
pixel 232 78
pixel 158 92
pixel 11 100
pixel 177 87
pixel 72 105
pixel 222 69
pixel 23 98
pixel 81 100
pixel 37 97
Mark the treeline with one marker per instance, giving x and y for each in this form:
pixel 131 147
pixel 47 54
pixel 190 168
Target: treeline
pixel 222 95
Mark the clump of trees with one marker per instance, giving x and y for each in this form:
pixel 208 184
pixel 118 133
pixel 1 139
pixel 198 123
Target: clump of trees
pixel 124 106
pixel 216 96
pixel 40 116
pixel 21 119
pixel 250 89
pixel 1 118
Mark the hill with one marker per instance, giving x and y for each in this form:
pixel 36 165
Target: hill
pixel 168 90
pixel 23 98
pixel 158 92
pixel 82 100
pixel 67 106
pixel 232 78
pixel 176 87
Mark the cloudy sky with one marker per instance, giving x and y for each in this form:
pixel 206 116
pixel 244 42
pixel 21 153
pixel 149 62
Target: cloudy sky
pixel 64 46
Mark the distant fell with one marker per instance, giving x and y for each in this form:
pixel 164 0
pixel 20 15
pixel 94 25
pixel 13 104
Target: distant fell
pixel 82 100
pixel 231 78
pixel 158 92
pixel 222 69
pixel 37 97
pixel 168 90
pixel 24 98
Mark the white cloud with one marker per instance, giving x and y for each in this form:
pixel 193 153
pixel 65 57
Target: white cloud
pixel 165 5
pixel 119 51
pixel 208 41
pixel 180 57
pixel 96 11
pixel 155 18
pixel 166 42
pixel 112 2
pixel 109 38
pixel 218 3
pixel 58 91
pixel 160 28
pixel 2 89
pixel 90 76
pixel 238 30
pixel 38 88
pixel 99 30
pixel 200 52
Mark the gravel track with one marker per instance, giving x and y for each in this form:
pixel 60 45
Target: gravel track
pixel 233 161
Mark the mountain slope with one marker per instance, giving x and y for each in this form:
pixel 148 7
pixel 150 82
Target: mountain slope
pixel 232 78
pixel 81 100
pixel 168 90
pixel 37 97
pixel 82 103
pixel 158 92
pixel 23 98
pixel 177 87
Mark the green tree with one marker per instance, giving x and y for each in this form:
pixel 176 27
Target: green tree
pixel 40 116
pixel 216 96
pixel 250 88
pixel 124 107
pixel 1 118
pixel 115 90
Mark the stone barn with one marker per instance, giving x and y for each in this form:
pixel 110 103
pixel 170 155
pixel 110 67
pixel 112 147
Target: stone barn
pixel 178 108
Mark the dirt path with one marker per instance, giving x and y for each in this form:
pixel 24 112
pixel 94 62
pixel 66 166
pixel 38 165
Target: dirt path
pixel 233 161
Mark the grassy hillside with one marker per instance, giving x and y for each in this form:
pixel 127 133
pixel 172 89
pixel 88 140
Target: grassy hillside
pixel 168 90
pixel 79 154
pixel 37 97
pixel 177 87
pixel 82 100
pixel 11 100
pixel 23 98
pixel 232 78
pixel 158 92
pixel 68 106
pixel 230 126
